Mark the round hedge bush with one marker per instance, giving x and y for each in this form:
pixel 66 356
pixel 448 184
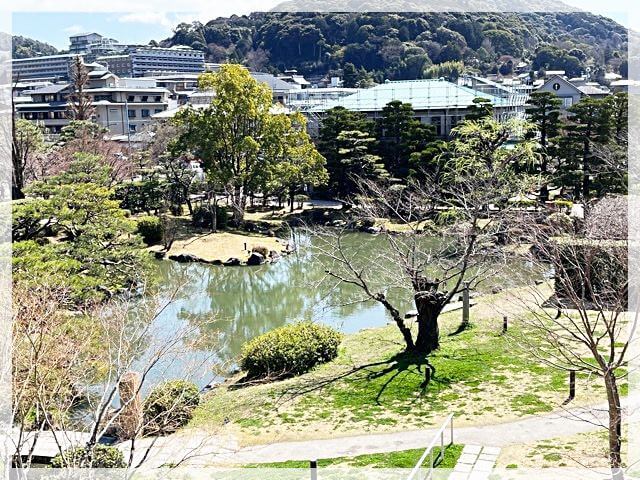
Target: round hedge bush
pixel 169 406
pixel 150 229
pixel 104 456
pixel 290 350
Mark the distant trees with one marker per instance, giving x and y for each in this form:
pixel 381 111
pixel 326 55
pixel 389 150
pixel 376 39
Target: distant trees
pixel 402 46
pixel 583 152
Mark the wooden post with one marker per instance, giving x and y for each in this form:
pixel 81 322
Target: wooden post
pixel 505 324
pixel 572 387
pixel 465 305
pixel 130 417
pixel 313 465
pixel 245 246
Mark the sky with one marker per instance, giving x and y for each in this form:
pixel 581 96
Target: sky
pixel 53 21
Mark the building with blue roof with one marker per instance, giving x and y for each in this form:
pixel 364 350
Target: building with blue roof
pixel 436 102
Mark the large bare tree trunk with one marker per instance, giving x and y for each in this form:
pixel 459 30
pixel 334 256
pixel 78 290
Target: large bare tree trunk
pixel 615 425
pixel 429 305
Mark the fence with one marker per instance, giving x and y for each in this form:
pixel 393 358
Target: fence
pixel 428 453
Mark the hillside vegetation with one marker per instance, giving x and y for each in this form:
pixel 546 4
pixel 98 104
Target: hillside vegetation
pixel 379 46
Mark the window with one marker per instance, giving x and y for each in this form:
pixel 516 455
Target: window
pixel 131 98
pixel 145 113
pixel 157 110
pixel 567 102
pixel 132 128
pixel 145 98
pixel 131 113
pixel 158 98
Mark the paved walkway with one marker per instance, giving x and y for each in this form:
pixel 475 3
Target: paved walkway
pixel 475 463
pixel 203 449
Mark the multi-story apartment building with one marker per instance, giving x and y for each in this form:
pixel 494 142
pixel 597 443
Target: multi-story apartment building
pixel 121 105
pixel 48 106
pixel 149 61
pixel 93 45
pixel 118 64
pixel 50 67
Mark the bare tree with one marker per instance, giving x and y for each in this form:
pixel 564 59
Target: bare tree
pixel 65 363
pixel 80 102
pixel 585 325
pixel 470 200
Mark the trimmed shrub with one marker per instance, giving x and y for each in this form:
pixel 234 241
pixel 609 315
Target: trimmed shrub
pixel 290 350
pixel 203 217
pixel 150 229
pixel 169 406
pixel 104 456
pixel 262 250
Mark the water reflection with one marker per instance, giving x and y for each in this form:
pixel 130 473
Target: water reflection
pixel 239 303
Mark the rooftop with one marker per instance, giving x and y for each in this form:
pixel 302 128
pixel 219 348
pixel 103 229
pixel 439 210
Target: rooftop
pixel 421 94
pixel 49 89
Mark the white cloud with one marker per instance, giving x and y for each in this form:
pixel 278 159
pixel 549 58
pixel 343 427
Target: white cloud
pixel 156 18
pixel 73 29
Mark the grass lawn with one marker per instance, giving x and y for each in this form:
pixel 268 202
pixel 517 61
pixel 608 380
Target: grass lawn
pixel 481 376
pixel 401 459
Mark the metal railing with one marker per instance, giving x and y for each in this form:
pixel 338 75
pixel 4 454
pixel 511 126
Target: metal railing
pixel 428 453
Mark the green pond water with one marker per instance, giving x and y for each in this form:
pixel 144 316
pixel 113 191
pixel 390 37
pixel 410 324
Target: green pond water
pixel 231 305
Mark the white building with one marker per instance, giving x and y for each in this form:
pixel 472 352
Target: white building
pixel 49 67
pixel 122 105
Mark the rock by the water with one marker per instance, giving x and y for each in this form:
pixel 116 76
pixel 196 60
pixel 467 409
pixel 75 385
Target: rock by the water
pixel 232 262
pixel 256 259
pixel 159 254
pixel 185 258
pixel 216 262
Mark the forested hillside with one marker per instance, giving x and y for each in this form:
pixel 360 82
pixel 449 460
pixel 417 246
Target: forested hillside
pixel 23 47
pixel 378 46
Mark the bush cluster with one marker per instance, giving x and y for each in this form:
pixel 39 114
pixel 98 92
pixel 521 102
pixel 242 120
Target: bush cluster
pixel 103 456
pixel 150 229
pixel 262 250
pixel 170 406
pixel 203 217
pixel 290 350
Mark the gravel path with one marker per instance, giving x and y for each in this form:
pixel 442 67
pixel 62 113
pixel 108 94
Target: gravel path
pixel 208 450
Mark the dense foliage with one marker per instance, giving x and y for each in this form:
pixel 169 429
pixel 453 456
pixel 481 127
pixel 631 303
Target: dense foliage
pixel 290 350
pixel 244 147
pixel 72 232
pixel 100 456
pixel 24 47
pixel 170 406
pixel 378 46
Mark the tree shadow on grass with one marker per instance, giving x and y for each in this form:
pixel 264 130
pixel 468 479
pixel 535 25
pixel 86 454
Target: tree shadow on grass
pixel 403 363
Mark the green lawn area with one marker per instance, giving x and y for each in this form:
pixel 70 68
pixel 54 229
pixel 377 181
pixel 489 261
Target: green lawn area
pixel 401 459
pixel 481 376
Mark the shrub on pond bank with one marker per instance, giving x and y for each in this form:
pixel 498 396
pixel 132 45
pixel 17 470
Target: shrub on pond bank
pixel 150 229
pixel 102 456
pixel 203 217
pixel 170 406
pixel 290 350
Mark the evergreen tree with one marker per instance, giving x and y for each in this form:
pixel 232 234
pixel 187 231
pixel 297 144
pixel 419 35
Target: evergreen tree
pixel 590 122
pixel 336 121
pixel 401 134
pixel 481 109
pixel 357 161
pixel 543 110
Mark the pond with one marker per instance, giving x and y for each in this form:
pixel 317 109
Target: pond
pixel 232 305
